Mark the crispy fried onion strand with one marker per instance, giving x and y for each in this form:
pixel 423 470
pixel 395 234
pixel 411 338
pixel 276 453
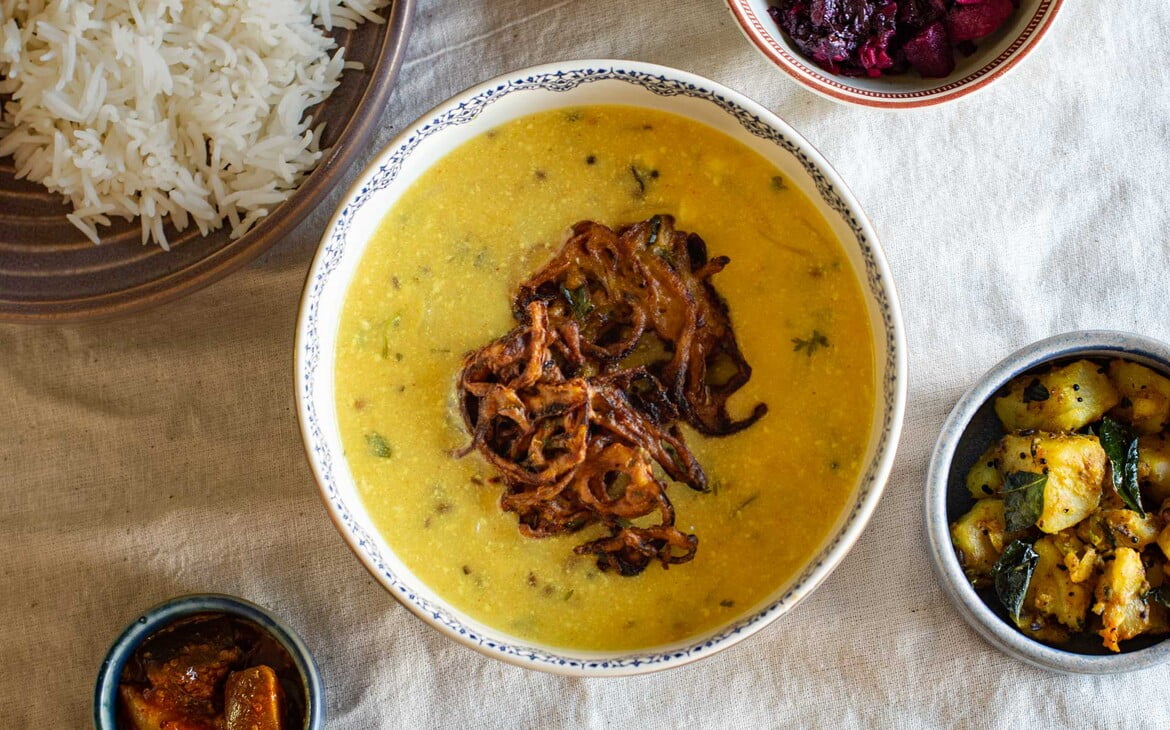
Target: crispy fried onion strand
pixel 561 407
pixel 605 290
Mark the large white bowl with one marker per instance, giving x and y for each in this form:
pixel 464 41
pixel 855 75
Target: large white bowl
pixel 473 112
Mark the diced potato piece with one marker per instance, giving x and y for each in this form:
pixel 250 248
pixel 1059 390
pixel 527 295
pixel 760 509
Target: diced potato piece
pixel 1145 396
pixel 253 700
pixel 1154 465
pixel 1094 532
pixel 1075 465
pixel 1081 568
pixel 1155 570
pixel 1164 541
pixel 978 537
pixel 984 479
pixel 1120 598
pixel 1131 529
pixel 1052 592
pixel 1064 399
pixel 1080 559
pixel 1159 614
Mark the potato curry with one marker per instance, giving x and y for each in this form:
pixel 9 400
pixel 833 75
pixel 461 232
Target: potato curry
pixel 1070 526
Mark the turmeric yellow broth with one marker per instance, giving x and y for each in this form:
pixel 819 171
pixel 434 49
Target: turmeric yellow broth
pixel 436 283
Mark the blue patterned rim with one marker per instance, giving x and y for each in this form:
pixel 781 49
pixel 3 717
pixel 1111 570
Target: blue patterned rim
pixel 463 109
pixel 105 699
pixel 985 621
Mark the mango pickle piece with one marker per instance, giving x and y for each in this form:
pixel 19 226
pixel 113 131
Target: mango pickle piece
pixel 253 700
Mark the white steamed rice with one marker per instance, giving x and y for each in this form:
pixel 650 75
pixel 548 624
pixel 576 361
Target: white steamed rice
pixel 183 111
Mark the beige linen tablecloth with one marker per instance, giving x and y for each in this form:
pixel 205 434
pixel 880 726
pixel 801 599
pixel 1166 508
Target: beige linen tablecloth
pixel 159 454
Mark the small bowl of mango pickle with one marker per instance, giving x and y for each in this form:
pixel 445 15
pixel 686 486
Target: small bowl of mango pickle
pixel 208 661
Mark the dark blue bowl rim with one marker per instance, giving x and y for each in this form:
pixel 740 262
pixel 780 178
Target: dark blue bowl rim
pixel 156 617
pixel 971 607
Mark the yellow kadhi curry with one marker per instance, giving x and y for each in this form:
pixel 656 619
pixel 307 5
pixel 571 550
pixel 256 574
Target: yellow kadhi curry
pixel 437 282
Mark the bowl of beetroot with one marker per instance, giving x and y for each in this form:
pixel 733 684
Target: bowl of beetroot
pixel 895 53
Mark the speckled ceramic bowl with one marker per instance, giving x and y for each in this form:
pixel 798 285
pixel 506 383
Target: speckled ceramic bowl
pixel 475 111
pixel 967 432
pixel 105 701
pixel 996 55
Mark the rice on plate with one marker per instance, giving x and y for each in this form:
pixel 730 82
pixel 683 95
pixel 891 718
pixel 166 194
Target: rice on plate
pixel 188 113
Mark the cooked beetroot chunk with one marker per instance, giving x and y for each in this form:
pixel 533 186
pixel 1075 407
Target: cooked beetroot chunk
pixel 851 37
pixel 916 14
pixel 971 21
pixel 875 51
pixel 930 53
pixel 879 37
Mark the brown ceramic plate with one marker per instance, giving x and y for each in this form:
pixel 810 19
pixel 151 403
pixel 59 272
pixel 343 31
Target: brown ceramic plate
pixel 50 272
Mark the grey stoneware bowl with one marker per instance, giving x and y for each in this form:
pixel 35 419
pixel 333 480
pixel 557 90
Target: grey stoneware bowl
pixel 969 429
pixel 105 701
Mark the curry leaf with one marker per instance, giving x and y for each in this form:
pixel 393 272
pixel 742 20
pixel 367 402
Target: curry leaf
pixel 1012 573
pixel 1018 480
pixel 1113 439
pixel 1023 499
pixel 1129 491
pixel 1122 451
pixel 578 300
pixel 1160 595
pixel 378 446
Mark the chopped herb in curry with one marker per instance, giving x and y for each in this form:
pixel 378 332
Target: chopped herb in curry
pixel 811 344
pixel 377 445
